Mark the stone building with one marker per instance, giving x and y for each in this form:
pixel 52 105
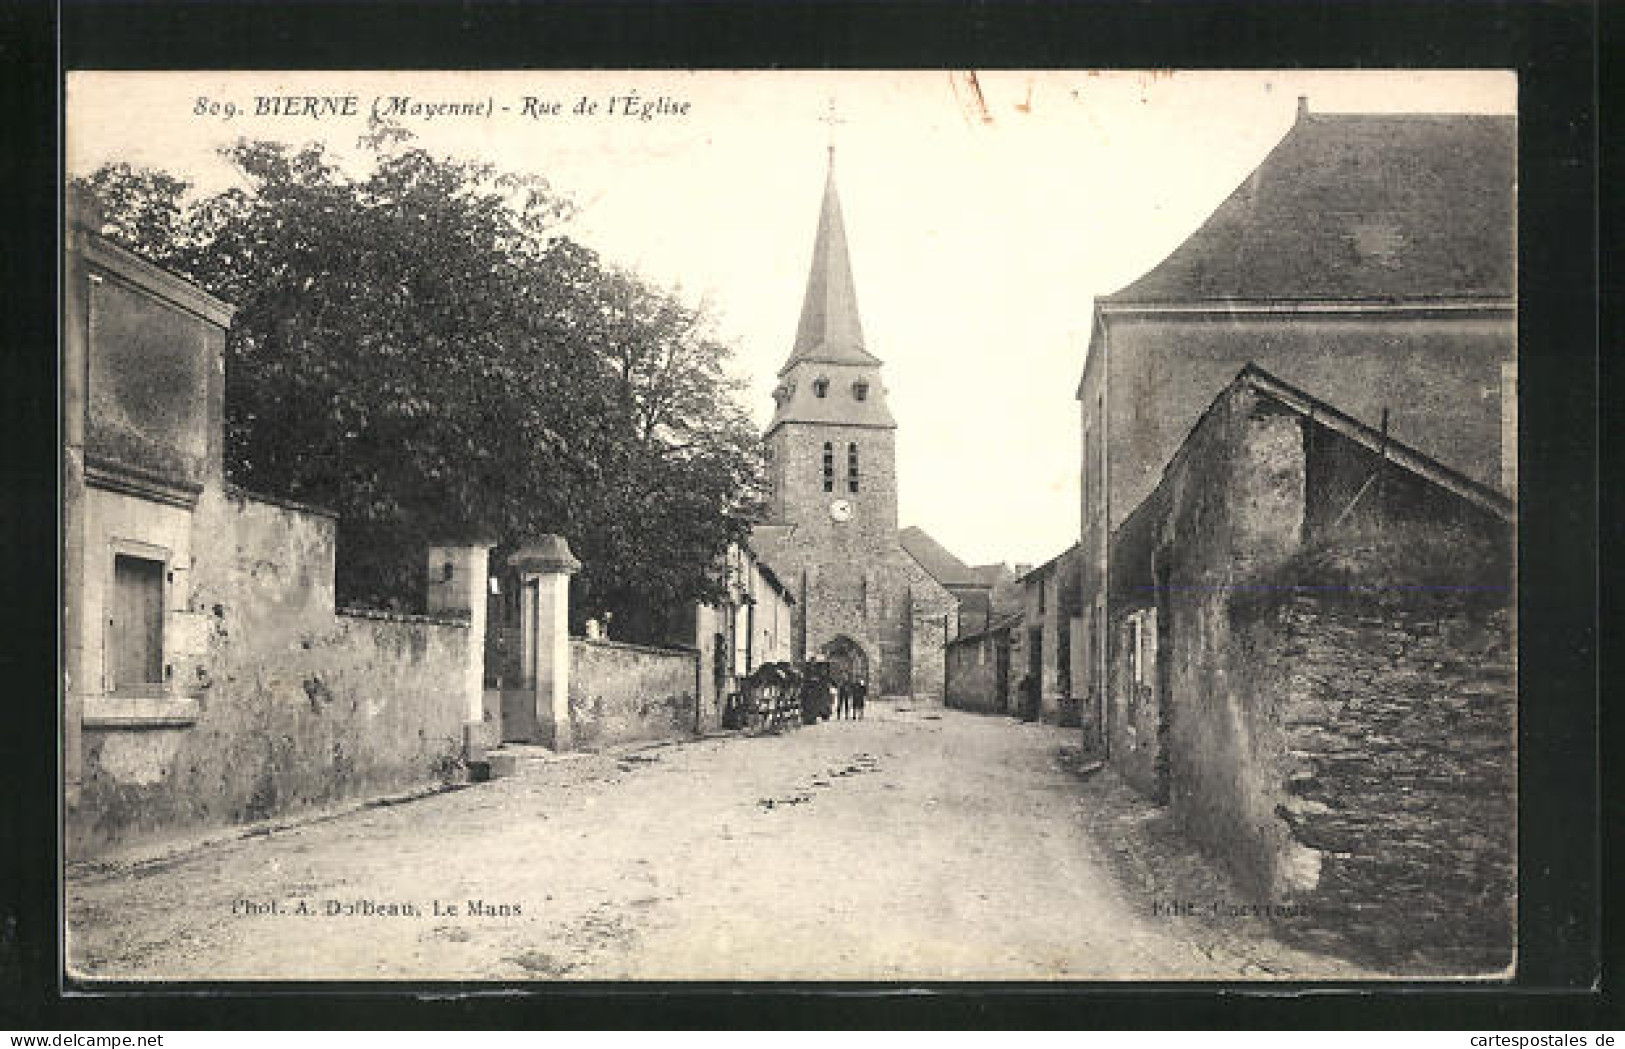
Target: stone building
pixel 985 593
pixel 1050 631
pixel 979 671
pixel 831 532
pixel 1369 258
pixel 1311 661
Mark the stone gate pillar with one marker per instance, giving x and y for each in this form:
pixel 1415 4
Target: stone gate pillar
pixel 545 567
pixel 457 585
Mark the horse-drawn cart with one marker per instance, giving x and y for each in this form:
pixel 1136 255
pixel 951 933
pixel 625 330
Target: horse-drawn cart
pixel 778 696
pixel 768 699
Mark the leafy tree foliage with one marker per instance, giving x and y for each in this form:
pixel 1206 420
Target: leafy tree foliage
pixel 418 349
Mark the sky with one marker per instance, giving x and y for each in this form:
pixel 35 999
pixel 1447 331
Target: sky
pixel 984 211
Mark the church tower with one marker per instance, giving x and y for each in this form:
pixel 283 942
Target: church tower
pixel 832 536
pixel 830 445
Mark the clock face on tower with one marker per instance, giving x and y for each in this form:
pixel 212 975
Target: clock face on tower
pixel 840 510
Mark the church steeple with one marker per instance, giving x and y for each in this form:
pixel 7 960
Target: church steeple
pixel 829 377
pixel 830 330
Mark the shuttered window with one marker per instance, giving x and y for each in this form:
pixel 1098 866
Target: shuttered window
pixel 136 625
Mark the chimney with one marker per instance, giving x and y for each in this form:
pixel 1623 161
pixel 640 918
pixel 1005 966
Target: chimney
pixel 1303 106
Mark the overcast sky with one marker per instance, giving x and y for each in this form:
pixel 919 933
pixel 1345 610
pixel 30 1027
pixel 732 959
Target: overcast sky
pixel 983 216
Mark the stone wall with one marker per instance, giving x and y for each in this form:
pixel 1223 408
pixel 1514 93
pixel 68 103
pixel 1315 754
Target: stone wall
pixel 972 673
pixel 1439 377
pixel 295 706
pixel 1327 710
pixel 1148 378
pixel 620 693
pixel 1051 596
pixel 1392 735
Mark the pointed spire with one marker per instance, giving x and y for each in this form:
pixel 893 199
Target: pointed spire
pixel 830 329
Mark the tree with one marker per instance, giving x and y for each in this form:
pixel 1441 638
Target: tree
pixel 417 349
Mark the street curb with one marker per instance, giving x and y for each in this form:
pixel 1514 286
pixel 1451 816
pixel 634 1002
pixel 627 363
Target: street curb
pixel 139 859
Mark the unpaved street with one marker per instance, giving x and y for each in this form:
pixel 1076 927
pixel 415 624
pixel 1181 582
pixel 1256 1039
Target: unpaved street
pixel 916 845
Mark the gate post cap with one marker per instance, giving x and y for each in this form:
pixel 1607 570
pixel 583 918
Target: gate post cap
pixel 546 554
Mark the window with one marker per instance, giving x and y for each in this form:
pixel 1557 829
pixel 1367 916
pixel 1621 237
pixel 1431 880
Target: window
pixel 1136 637
pixel 852 467
pixel 820 387
pixel 860 390
pixel 829 467
pixel 135 658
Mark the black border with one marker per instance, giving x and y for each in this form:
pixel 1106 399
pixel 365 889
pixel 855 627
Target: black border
pixel 1554 46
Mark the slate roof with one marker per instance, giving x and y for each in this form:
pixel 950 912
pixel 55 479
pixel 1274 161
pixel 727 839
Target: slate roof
pixel 999 625
pixel 943 566
pixel 830 329
pixel 1358 206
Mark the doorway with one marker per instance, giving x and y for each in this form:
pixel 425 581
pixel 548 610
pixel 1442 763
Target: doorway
pixel 1001 673
pixel 1031 698
pixel 848 662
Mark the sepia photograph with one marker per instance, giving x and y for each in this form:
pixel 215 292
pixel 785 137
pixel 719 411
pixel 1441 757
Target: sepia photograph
pixel 844 527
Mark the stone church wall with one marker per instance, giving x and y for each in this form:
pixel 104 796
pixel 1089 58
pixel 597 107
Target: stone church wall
pixel 799 495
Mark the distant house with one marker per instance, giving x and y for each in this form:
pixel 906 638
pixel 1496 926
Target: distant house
pixel 985 592
pixel 978 675
pixel 1369 258
pixel 1310 660
pixel 750 627
pixel 1051 630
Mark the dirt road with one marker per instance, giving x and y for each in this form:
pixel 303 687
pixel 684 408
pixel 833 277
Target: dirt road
pixel 916 845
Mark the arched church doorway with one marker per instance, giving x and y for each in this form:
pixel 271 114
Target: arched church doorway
pixel 847 660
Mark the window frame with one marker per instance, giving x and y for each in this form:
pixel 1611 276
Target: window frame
pixel 162 557
pixel 152 705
